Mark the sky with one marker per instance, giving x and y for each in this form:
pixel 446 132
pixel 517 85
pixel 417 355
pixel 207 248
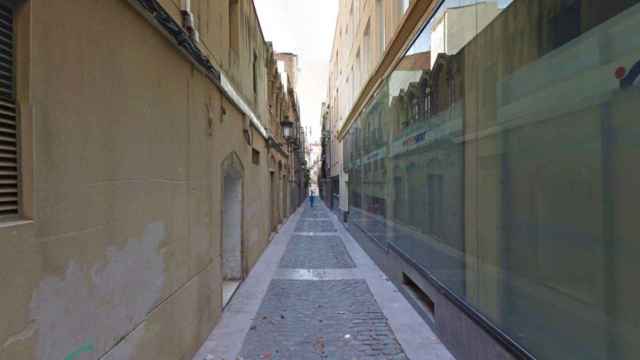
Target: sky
pixel 303 27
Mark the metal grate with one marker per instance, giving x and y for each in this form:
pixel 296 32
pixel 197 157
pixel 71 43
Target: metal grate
pixel 8 121
pixel 6 52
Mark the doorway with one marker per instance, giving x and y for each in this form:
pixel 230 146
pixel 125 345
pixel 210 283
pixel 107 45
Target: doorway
pixel 283 208
pixel 272 201
pixel 232 210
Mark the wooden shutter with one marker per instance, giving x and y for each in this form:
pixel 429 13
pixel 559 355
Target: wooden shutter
pixel 8 120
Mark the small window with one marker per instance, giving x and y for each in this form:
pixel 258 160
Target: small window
pixel 380 26
pixel 9 180
pixel 255 156
pixel 566 24
pixel 255 73
pixel 366 51
pixel 234 25
pixel 357 77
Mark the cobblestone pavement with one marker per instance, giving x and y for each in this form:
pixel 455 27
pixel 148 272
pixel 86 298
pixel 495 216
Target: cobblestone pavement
pixel 321 319
pixel 316 252
pixel 326 319
pixel 315 225
pixel 315 294
pixel 315 213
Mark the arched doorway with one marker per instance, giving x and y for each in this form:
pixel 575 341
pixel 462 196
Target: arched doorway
pixel 232 214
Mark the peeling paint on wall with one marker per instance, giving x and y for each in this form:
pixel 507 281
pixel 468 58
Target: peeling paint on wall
pixel 21 336
pixel 99 305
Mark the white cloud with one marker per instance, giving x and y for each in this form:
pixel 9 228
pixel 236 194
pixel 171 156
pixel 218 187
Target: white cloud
pixel 303 27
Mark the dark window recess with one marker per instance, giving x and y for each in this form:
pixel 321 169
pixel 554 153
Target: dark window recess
pixel 255 156
pixel 435 204
pixel 420 296
pixel 255 73
pixel 234 25
pixel 8 119
pixel 566 25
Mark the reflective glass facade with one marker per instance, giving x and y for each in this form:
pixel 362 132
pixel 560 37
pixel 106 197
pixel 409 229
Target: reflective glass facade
pixel 502 157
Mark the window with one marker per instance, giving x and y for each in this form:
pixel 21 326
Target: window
pixel 358 70
pixel 435 204
pixel 9 180
pixel 366 51
pixel 234 25
pixel 255 73
pixel 380 25
pixel 346 103
pixel 351 17
pixel 415 110
pixel 353 87
pixel 346 34
pixel 427 103
pixel 337 109
pixel 356 13
pixel 565 26
pixel 255 156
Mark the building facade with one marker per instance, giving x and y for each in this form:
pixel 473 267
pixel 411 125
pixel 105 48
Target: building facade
pixel 287 66
pixel 490 165
pixel 324 185
pixel 364 29
pixel 143 167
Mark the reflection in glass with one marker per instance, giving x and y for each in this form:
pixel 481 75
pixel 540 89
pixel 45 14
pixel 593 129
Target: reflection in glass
pixel 500 156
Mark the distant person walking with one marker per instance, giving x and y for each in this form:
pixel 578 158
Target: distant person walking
pixel 312 198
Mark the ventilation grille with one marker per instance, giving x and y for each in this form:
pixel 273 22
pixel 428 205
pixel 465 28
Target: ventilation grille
pixel 6 52
pixel 422 298
pixel 8 121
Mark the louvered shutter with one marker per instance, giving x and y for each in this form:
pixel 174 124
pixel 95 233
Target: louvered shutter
pixel 8 122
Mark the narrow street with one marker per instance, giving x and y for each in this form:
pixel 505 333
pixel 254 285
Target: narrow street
pixel 473 165
pixel 315 294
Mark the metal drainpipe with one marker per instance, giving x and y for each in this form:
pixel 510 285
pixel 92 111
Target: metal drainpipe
pixel 188 21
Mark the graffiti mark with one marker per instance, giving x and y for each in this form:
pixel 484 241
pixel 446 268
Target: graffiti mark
pixel 84 349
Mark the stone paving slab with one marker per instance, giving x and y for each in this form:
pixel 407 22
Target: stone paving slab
pixel 324 319
pixel 316 274
pixel 309 213
pixel 316 252
pixel 316 226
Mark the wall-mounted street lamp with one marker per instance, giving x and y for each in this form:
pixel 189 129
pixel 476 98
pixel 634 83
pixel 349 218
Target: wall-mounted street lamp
pixel 287 129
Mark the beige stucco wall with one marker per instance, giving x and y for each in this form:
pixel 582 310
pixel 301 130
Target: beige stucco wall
pixel 213 26
pixel 122 256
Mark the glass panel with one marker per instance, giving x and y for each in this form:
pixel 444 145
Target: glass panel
pixel 500 156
